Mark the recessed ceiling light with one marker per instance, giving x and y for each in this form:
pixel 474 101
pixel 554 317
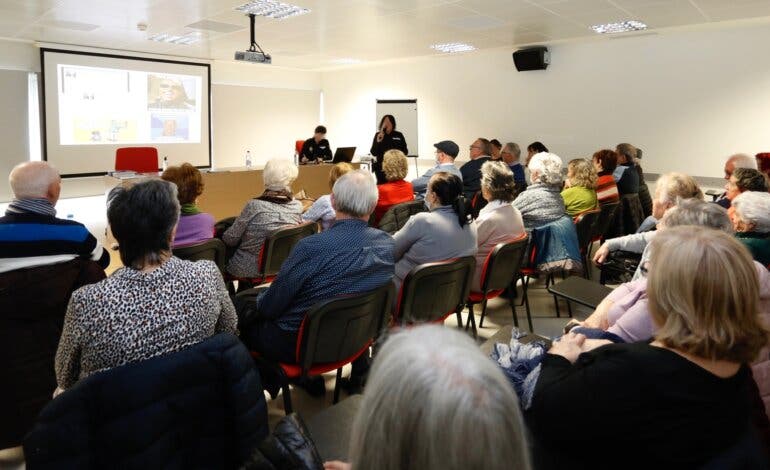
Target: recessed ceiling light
pixel 184 39
pixel 453 47
pixel 346 61
pixel 272 9
pixel 622 27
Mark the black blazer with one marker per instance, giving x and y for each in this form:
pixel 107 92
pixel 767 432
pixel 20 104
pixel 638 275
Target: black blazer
pixel 394 140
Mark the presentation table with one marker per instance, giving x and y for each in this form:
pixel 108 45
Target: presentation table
pixel 226 190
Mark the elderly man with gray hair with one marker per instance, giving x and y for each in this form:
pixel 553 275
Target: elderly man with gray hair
pixel 30 233
pixel 348 258
pixel 739 160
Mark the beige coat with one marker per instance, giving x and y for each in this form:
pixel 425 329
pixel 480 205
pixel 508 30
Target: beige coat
pixel 497 222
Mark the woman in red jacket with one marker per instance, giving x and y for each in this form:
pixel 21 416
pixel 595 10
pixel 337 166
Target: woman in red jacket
pixel 396 190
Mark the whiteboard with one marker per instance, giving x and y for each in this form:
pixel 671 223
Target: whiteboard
pixel 405 112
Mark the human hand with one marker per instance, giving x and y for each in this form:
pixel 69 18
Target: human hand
pixel 569 346
pixel 337 465
pixel 304 160
pixel 601 254
pixel 380 136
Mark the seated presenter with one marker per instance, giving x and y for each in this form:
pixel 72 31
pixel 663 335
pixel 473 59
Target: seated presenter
pixel 316 149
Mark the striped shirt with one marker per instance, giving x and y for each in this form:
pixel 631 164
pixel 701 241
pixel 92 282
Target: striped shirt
pixel 606 188
pixel 31 235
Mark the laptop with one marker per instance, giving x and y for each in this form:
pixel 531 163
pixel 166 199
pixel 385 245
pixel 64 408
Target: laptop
pixel 343 154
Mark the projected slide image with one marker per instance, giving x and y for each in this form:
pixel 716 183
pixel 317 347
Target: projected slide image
pixel 170 128
pixel 170 92
pixel 103 131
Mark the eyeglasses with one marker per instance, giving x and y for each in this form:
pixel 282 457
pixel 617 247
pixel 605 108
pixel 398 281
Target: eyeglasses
pixel 644 268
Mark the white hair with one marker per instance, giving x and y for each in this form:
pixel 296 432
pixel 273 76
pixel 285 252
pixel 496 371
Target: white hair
pixel 545 168
pixel 32 179
pixel 430 388
pixel 279 174
pixel 355 193
pixel 741 160
pixel 753 207
pixel 700 213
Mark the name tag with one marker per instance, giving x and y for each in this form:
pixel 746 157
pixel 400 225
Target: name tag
pixel 396 138
pixel 322 148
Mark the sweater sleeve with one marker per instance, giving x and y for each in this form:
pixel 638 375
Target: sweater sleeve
pixel 405 238
pixel 635 243
pixel 227 320
pixel 232 235
pixel 67 362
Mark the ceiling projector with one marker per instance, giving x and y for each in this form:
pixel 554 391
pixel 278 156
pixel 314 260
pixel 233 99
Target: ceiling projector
pixel 255 54
pixel 258 57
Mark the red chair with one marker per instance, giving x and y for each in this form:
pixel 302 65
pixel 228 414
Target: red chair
pixel 334 333
pixel 273 253
pixel 138 159
pixel 433 291
pixel 501 271
pixel 298 146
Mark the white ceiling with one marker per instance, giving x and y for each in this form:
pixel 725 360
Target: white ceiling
pixel 367 30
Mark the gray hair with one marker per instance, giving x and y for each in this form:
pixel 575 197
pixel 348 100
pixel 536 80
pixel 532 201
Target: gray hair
pixel 514 148
pixel 545 168
pixel 279 174
pixel 430 388
pixel 673 186
pixel 355 193
pixel 497 178
pixel 741 160
pixel 697 212
pixel 32 179
pixel 753 207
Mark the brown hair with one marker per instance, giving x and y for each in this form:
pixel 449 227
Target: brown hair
pixel 583 173
pixel 338 170
pixel 188 181
pixel 395 165
pixel 628 151
pixel 607 158
pixel 703 294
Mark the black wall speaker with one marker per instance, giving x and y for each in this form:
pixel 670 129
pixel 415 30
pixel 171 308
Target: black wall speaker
pixel 533 58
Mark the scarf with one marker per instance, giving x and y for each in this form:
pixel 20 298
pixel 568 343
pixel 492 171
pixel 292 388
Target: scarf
pixel 190 209
pixel 276 197
pixel 40 206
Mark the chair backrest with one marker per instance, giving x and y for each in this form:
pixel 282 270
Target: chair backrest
pixel 138 159
pixel 586 226
pixel 395 217
pixel 298 145
pixel 338 329
pixel 503 263
pixel 213 250
pixel 632 213
pixel 606 216
pixel 431 291
pixel 278 246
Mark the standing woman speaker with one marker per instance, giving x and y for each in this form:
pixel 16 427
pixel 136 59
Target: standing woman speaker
pixel 387 138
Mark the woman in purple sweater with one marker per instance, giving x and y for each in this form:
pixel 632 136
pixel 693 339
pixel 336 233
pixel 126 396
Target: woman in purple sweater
pixel 194 226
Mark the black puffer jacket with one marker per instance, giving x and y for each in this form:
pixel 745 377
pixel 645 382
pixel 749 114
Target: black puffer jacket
pixel 202 407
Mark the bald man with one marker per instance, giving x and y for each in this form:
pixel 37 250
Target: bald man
pixel 739 160
pixel 30 233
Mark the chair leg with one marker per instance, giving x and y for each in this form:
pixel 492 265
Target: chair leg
pixel 569 308
pixel 513 307
pixel 459 314
pixel 524 284
pixel 472 322
pixel 556 302
pixel 525 300
pixel 287 408
pixel 470 314
pixel 483 311
pixel 337 386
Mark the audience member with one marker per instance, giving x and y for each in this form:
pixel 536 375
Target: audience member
pixel 625 173
pixel 348 258
pixel 682 399
pixel 446 152
pixel 155 305
pixel 316 149
pixel 495 147
pixel 750 214
pixel 763 163
pixel 669 189
pixel 624 312
pixel 605 161
pixel 430 389
pixel 541 203
pixel 194 226
pixel 471 171
pixel 30 233
pixel 275 208
pixel 739 160
pixel 498 221
pixel 396 190
pixel 386 138
pixel 533 149
pixel 742 180
pixel 634 155
pixel 443 233
pixel 511 155
pixel 579 192
pixel 322 210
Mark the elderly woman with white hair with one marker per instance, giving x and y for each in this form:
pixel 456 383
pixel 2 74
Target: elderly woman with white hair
pixel 750 214
pixel 275 208
pixel 541 203
pixel 430 389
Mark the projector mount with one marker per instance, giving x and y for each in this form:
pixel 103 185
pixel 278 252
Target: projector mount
pixel 255 53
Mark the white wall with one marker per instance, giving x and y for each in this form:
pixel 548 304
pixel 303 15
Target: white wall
pixel 688 98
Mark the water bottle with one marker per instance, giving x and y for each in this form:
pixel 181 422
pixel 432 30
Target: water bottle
pixel 248 159
pixel 165 163
pixel 296 157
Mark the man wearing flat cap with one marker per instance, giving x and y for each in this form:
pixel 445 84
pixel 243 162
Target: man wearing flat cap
pixel 446 152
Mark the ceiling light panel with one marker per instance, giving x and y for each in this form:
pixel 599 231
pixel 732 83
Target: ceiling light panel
pixel 184 39
pixel 622 27
pixel 453 47
pixel 272 9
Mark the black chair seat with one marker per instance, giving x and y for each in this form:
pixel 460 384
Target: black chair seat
pixel 581 291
